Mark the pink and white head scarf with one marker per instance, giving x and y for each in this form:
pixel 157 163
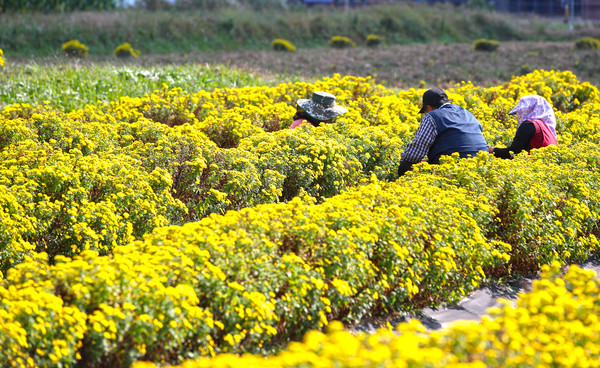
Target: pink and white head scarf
pixel 535 107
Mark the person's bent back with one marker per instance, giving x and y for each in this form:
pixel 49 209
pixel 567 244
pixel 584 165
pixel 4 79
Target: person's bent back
pixel 458 131
pixel 536 127
pixel 445 129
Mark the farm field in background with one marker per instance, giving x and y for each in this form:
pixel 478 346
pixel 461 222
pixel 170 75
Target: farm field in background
pixel 230 25
pixel 176 217
pixel 67 83
pixel 417 65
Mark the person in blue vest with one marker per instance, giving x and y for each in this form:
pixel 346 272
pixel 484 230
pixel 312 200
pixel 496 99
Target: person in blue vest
pixel 445 128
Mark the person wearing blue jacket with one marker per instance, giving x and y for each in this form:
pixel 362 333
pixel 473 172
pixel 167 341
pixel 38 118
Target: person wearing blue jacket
pixel 445 128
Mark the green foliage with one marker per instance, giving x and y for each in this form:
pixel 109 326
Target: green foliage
pixel 414 25
pixel 282 45
pixel 125 50
pixel 374 40
pixel 154 5
pixel 587 43
pixel 238 27
pixel 341 42
pixel 55 5
pixel 389 24
pixel 479 4
pixel 69 87
pixel 254 5
pixel 485 45
pixel 75 48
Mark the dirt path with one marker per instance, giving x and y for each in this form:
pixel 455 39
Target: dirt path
pixel 472 307
pixel 405 66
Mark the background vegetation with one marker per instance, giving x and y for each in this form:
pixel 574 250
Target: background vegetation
pixel 67 83
pixel 55 5
pixel 177 31
pixel 69 86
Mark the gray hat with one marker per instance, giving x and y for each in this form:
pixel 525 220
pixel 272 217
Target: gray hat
pixel 321 106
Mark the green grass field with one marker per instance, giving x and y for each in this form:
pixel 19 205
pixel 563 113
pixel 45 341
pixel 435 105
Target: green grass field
pixel 69 86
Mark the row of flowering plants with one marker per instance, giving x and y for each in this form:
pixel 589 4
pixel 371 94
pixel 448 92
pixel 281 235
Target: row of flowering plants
pixel 252 279
pixel 249 280
pixel 554 325
pixel 317 234
pixel 108 173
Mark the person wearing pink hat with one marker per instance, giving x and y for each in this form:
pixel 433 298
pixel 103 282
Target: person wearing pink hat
pixel 536 127
pixel 321 108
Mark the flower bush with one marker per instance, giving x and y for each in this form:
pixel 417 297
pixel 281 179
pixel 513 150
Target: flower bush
pixel 553 325
pixel 587 43
pixel 223 150
pixel 125 50
pixel 272 271
pixel 485 45
pixel 341 42
pixel 282 45
pixel 374 40
pixel 74 48
pixel 92 309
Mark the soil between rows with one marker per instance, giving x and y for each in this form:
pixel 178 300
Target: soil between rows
pixel 407 66
pixel 471 308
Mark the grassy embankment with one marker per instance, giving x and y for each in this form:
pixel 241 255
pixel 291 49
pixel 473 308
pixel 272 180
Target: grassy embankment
pixel 423 47
pixel 70 86
pixel 164 32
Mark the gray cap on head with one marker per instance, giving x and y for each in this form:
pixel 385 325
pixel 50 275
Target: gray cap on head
pixel 321 106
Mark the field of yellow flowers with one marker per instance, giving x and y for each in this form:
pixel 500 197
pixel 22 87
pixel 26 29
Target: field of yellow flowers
pixel 555 325
pixel 183 225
